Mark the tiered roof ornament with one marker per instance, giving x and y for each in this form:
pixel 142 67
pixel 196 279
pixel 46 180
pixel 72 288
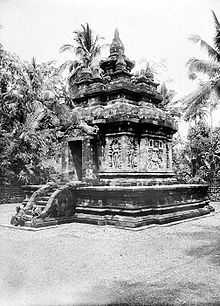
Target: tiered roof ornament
pixel 149 73
pixel 116 46
pixel 120 64
pixel 112 79
pixel 117 61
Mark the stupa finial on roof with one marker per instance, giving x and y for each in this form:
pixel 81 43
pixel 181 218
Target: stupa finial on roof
pixel 120 64
pixel 117 45
pixel 148 72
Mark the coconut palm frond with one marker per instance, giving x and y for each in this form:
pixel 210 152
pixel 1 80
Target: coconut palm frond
pixel 63 112
pixel 209 68
pixel 195 38
pixel 211 51
pixel 67 47
pixel 80 50
pixel 217 89
pixel 96 51
pixel 84 37
pixel 74 66
pixel 88 37
pixel 34 62
pixel 217 24
pixel 85 47
pixel 198 96
pixel 197 109
pixel 217 34
pixel 193 113
pixel 34 118
pixel 217 41
pixel 206 98
pixel 214 98
pixel 95 42
pixel 74 72
pixel 66 65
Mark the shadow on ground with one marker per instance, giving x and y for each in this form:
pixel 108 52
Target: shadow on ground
pixel 210 245
pixel 155 294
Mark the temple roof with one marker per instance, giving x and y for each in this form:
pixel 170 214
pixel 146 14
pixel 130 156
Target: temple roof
pixel 113 79
pixel 116 56
pixel 116 45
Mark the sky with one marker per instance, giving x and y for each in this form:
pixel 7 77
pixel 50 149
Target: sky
pixel 149 29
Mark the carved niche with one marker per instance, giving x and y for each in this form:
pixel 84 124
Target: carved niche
pixel 120 153
pixel 168 156
pixel 112 154
pixel 131 155
pixel 155 155
pixel 156 161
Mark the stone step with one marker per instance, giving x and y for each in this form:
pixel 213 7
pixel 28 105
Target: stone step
pixel 51 191
pixel 25 200
pixel 49 194
pixel 40 222
pixel 46 198
pixel 29 211
pixel 29 217
pixel 41 202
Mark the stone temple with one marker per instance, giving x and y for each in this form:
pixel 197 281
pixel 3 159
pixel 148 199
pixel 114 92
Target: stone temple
pixel 117 154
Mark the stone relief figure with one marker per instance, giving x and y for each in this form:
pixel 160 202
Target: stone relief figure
pixel 152 159
pixel 36 211
pixel 115 158
pixel 155 156
pixel 160 159
pixel 168 155
pixel 77 125
pixel 132 153
pixel 19 218
pixel 88 129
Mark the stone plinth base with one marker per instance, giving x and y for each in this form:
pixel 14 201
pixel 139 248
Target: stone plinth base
pixel 140 205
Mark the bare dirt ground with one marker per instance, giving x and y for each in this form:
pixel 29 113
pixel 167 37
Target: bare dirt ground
pixel 79 264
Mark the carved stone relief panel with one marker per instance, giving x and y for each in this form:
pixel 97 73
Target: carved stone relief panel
pixel 143 156
pixel 112 154
pixel 123 153
pixel 131 153
pixel 156 161
pixel 169 156
pixel 120 154
pixel 115 154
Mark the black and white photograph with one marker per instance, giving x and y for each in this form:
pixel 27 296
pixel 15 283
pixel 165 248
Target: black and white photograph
pixel 109 152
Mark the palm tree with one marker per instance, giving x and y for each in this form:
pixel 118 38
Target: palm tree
pixel 1 49
pixel 201 96
pixel 196 114
pixel 1 46
pixel 206 97
pixel 167 94
pixel 86 48
pixel 196 111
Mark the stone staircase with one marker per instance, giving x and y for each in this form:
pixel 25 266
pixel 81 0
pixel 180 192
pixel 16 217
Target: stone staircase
pixel 41 201
pixel 57 203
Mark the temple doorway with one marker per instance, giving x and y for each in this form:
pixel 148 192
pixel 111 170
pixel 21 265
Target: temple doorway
pixel 76 151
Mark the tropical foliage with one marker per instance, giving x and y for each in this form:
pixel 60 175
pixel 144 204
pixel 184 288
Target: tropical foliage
pixel 197 160
pixel 32 111
pixel 206 97
pixel 85 48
